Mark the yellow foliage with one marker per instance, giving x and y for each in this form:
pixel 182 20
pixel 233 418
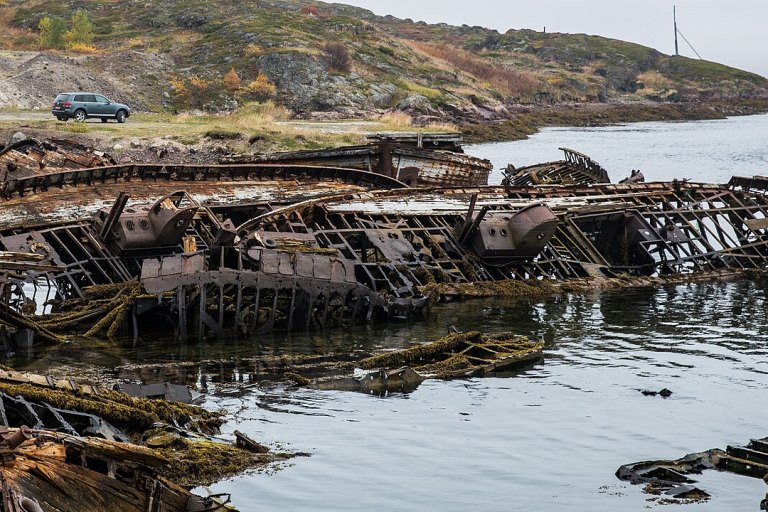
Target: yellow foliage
pixel 260 88
pixel 83 48
pixel 254 50
pixel 180 92
pixel 231 80
pixel 201 84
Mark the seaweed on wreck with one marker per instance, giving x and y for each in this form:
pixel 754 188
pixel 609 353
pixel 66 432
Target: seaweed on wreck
pixel 460 355
pixel 420 353
pixel 131 414
pixel 102 309
pixel 195 460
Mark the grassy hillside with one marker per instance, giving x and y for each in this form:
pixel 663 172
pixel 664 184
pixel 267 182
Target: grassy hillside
pixel 436 71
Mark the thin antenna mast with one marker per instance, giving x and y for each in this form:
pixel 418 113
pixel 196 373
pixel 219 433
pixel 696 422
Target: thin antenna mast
pixel 674 18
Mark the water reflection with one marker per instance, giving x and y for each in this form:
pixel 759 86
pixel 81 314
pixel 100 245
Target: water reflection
pixel 713 320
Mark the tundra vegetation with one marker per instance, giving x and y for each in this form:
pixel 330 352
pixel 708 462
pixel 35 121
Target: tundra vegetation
pixel 332 61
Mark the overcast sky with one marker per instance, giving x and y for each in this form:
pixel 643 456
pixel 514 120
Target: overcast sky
pixel 733 32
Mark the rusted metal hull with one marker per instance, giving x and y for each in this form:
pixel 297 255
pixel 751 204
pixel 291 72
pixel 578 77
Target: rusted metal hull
pixel 575 169
pixel 294 247
pixel 415 166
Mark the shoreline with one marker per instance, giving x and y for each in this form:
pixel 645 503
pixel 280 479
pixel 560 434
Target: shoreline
pixel 208 136
pixel 528 121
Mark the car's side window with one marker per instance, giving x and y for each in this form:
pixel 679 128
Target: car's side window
pixel 89 98
pixel 79 97
pixel 101 99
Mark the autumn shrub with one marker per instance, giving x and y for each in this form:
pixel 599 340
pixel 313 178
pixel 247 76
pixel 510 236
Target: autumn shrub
pixel 336 56
pixel 179 92
pixel 83 48
pixel 260 89
pixel 253 50
pixel 231 80
pixel 200 91
pixel 310 10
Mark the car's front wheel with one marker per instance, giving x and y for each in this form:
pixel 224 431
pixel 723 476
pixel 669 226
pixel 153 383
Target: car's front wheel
pixel 120 116
pixel 80 116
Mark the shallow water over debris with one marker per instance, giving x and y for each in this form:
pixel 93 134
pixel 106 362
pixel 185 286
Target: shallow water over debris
pixel 546 438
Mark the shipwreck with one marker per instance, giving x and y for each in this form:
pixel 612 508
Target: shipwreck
pixel 431 159
pixel 236 249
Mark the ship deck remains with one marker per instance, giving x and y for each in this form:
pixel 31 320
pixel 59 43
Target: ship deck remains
pixel 417 159
pixel 575 169
pixel 250 248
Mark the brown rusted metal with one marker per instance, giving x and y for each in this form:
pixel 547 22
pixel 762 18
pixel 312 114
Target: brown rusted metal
pixel 674 478
pixel 417 160
pixel 33 157
pixel 364 255
pixel 248 248
pixel 575 169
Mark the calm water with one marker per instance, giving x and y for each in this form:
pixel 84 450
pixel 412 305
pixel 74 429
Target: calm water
pixel 550 437
pixel 710 151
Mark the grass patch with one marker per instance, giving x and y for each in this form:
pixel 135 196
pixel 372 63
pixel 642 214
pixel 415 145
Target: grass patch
pixel 77 128
pixel 427 92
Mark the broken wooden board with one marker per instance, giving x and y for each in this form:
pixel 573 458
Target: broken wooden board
pixel 61 473
pixel 671 476
pixel 468 354
pixel 458 355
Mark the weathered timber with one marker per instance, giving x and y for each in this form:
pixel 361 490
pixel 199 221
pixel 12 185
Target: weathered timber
pixel 33 157
pixel 671 475
pixel 62 473
pixel 454 356
pixel 415 160
pixel 575 169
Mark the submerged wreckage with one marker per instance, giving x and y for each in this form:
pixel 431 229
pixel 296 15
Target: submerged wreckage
pixel 244 248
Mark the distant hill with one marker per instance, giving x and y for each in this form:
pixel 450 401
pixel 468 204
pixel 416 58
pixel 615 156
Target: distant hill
pixel 431 71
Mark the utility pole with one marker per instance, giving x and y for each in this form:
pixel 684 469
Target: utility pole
pixel 674 18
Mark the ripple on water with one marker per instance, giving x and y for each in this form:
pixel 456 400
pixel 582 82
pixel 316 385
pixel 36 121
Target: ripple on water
pixel 549 437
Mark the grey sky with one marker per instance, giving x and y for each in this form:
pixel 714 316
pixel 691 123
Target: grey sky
pixel 731 32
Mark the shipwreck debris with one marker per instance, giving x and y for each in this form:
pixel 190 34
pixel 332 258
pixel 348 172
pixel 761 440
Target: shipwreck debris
pixel 664 393
pixel 136 453
pixel 636 176
pixel 575 169
pixel 34 157
pixel 457 355
pixel 66 473
pixel 243 249
pixel 671 476
pixel 418 159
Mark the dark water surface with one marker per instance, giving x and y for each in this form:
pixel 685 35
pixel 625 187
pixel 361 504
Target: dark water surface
pixel 546 438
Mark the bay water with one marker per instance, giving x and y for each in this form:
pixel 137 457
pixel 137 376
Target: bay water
pixel 551 436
